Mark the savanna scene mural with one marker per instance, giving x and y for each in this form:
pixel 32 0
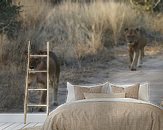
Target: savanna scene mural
pixel 99 51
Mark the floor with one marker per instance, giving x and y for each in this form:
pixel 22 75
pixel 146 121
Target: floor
pixel 14 121
pixel 17 126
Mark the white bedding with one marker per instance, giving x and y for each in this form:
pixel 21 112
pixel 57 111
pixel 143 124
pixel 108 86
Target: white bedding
pixel 128 100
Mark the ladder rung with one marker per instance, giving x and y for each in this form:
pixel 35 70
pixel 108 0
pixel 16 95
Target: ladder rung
pixel 37 89
pixel 37 71
pixel 38 55
pixel 36 105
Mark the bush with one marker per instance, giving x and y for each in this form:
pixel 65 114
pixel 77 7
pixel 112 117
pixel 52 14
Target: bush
pixel 9 23
pixel 147 5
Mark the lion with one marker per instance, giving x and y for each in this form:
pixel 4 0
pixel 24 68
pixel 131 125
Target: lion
pixel 136 42
pixel 41 77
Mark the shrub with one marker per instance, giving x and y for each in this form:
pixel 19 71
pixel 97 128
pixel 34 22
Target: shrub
pixel 9 23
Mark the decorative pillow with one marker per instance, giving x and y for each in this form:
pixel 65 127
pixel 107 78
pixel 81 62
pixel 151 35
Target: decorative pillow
pixel 79 91
pixel 130 92
pixel 71 93
pixel 143 90
pixel 104 95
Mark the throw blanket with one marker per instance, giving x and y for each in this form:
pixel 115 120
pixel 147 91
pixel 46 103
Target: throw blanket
pixel 105 114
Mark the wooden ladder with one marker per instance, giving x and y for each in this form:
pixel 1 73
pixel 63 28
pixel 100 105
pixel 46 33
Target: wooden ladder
pixel 26 102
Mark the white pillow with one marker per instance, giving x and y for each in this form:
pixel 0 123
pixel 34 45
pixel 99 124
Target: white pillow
pixel 143 90
pixel 71 94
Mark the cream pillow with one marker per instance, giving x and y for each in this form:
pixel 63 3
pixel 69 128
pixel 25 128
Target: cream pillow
pixel 104 95
pixel 71 94
pixel 79 91
pixel 130 91
pixel 143 90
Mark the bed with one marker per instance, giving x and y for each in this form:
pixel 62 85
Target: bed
pixel 106 107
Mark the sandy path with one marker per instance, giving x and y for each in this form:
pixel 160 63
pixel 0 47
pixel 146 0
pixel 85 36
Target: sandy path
pixel 151 71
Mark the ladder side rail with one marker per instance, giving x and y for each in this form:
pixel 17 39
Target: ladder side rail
pixel 26 87
pixel 47 110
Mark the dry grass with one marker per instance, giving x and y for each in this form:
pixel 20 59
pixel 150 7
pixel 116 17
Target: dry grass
pixel 75 32
pixel 157 23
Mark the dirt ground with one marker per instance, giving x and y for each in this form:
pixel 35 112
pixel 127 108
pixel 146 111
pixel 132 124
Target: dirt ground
pixel 104 69
pixel 117 71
